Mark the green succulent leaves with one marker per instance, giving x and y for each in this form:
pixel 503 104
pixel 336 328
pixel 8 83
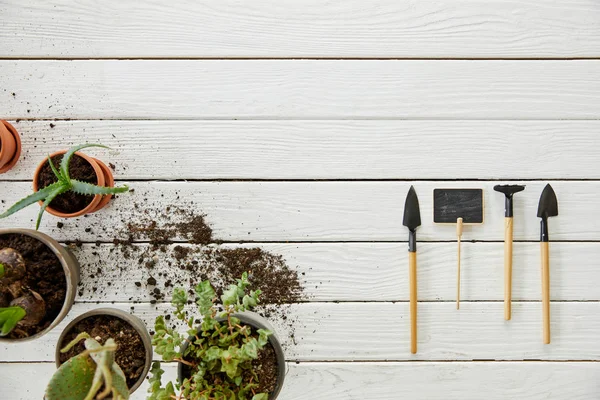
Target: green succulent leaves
pixel 219 353
pixel 63 185
pixel 82 376
pixel 9 318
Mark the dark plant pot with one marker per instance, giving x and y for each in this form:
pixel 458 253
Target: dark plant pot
pixel 70 267
pixel 10 146
pixel 132 320
pixel 104 177
pixel 256 321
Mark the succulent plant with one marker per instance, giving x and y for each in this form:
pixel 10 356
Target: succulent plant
pixel 81 377
pixel 64 184
pixel 221 351
pixel 19 306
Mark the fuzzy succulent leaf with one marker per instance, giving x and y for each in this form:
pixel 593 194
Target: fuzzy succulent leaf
pixel 9 318
pixel 89 189
pixel 32 198
pixel 66 160
pixel 260 396
pixel 72 380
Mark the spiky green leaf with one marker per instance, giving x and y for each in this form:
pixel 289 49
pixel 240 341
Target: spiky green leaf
pixel 89 189
pixel 66 160
pixel 56 173
pixel 47 202
pixel 9 317
pixel 33 198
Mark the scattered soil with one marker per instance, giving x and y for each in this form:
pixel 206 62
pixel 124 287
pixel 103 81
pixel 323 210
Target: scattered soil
pixel 130 356
pixel 80 169
pixel 45 276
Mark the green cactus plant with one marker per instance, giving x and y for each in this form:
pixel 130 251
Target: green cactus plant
pixel 63 185
pixel 81 377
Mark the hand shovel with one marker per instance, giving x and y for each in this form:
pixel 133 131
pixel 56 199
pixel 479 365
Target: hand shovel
pixel 548 207
pixel 412 219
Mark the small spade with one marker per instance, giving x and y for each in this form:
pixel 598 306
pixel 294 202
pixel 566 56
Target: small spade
pixel 548 207
pixel 412 220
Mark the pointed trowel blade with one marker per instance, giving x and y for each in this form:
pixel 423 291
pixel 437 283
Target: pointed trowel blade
pixel 548 206
pixel 412 214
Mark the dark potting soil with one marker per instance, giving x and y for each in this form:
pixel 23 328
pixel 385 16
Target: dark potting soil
pixel 130 355
pixel 69 202
pixel 44 275
pixel 265 367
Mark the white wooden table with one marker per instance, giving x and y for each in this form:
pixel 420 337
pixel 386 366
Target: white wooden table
pixel 299 126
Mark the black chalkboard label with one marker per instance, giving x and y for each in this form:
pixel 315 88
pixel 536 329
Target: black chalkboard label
pixel 451 204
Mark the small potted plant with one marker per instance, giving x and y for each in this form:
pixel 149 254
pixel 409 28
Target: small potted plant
pixel 10 146
pixel 82 376
pixel 38 280
pixel 232 355
pixel 129 334
pixel 69 184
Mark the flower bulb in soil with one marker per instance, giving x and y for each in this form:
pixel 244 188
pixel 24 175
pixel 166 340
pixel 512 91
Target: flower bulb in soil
pixel 14 266
pixel 34 306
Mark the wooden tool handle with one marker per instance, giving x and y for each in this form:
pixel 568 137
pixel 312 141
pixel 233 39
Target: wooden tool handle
pixel 546 290
pixel 412 258
pixel 508 256
pixel 459 230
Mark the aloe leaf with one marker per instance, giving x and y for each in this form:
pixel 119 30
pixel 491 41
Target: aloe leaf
pixel 58 176
pixel 51 196
pixel 32 198
pixel 66 160
pixel 73 380
pixel 90 189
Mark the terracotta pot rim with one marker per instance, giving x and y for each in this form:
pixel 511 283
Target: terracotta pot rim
pixel 70 269
pixel 97 198
pixel 13 161
pixel 135 322
pixel 109 181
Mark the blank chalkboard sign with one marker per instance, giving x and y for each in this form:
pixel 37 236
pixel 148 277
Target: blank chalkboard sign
pixel 451 204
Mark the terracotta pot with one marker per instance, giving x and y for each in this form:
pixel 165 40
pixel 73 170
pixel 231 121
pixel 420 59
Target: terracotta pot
pixel 70 267
pixel 132 320
pixel 257 322
pixel 10 148
pixel 104 177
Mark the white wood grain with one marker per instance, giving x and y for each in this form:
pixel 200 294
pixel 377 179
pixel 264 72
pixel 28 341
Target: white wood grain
pixel 322 211
pixel 387 381
pixel 300 89
pixel 271 28
pixel 369 271
pixel 389 149
pixel 380 331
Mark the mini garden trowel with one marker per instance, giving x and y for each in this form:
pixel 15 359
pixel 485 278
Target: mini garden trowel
pixel 509 191
pixel 412 219
pixel 548 207
pixel 458 206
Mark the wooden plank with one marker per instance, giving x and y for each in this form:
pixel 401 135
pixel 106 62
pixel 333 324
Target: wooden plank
pixel 205 149
pixel 380 331
pixel 373 271
pixel 420 380
pixel 268 28
pixel 300 89
pixel 320 211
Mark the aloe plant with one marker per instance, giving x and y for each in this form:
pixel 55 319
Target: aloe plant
pixel 81 377
pixel 63 185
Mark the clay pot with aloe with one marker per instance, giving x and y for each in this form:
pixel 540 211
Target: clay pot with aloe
pixel 38 282
pixel 70 184
pixel 10 146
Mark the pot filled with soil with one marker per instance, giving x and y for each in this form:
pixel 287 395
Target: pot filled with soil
pixel 234 354
pixel 38 282
pixel 133 352
pixel 10 146
pixel 82 168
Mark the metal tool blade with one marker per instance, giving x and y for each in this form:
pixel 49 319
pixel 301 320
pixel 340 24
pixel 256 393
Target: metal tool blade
pixel 412 213
pixel 548 206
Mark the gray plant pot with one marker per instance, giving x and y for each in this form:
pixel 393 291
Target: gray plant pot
pixel 70 268
pixel 132 320
pixel 257 322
